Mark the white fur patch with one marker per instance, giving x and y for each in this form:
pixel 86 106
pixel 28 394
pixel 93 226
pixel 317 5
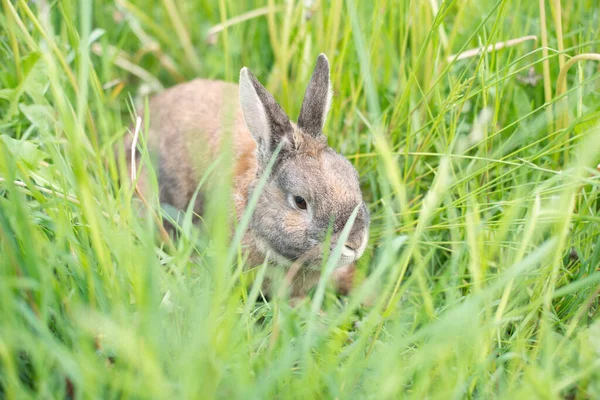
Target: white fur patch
pixel 363 245
pixel 329 91
pixel 328 103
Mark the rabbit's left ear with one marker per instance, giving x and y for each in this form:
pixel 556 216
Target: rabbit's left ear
pixel 268 124
pixel 317 99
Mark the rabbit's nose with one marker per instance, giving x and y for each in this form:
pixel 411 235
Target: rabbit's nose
pixel 348 251
pixel 351 246
pixel 357 242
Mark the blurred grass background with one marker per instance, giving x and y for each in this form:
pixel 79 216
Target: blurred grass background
pixel 482 272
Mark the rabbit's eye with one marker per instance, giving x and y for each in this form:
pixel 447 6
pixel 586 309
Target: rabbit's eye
pixel 300 202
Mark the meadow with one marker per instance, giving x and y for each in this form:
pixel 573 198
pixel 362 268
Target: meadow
pixel 474 126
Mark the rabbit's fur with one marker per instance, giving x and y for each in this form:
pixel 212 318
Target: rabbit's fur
pixel 187 125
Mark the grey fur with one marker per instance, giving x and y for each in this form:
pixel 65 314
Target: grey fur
pixel 187 125
pixel 316 99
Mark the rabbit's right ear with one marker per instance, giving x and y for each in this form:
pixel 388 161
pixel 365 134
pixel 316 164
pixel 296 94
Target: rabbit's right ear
pixel 317 99
pixel 265 119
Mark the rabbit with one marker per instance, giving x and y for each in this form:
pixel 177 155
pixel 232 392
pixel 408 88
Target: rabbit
pixel 310 189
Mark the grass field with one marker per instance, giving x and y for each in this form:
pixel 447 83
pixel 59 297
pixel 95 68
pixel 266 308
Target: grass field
pixel 481 278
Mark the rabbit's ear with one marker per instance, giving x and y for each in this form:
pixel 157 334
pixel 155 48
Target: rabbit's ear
pixel 266 121
pixel 317 99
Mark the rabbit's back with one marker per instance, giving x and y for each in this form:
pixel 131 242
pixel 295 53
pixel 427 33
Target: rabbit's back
pixel 187 124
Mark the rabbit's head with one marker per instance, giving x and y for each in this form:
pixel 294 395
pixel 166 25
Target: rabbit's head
pixel 311 190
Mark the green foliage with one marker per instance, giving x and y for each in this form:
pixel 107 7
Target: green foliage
pixel 481 279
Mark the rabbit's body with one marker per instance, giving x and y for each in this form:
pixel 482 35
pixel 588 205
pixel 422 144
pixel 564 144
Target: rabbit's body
pixel 311 188
pixel 187 139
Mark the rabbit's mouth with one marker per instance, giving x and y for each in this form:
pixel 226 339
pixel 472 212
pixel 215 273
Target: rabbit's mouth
pixel 313 258
pixel 352 250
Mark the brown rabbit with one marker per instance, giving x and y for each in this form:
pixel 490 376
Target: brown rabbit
pixel 310 189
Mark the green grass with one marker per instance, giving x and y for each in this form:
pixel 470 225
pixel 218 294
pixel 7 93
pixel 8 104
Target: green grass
pixel 482 272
